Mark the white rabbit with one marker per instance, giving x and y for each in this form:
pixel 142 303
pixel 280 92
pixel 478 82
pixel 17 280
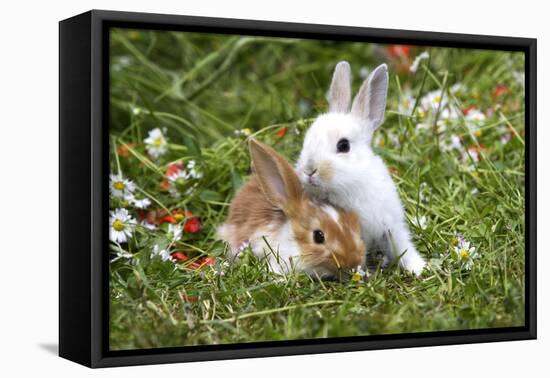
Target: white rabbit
pixel 337 164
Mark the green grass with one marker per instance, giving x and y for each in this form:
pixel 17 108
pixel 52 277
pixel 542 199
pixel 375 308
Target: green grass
pixel 202 88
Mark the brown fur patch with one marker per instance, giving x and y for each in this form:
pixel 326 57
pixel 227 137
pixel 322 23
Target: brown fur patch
pixel 250 211
pixel 343 247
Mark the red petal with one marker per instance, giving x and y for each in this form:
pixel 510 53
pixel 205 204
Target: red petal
pixel 468 109
pixel 174 168
pixel 501 90
pixel 208 261
pixel 180 256
pixel 399 51
pixel 281 132
pixel 167 219
pixel 188 298
pixel 192 225
pixel 164 185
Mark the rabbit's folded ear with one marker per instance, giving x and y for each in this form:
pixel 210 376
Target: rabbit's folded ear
pixel 278 181
pixel 370 102
pixel 339 94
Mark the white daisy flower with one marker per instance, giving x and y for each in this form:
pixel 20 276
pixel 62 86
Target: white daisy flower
pixel 476 116
pixel 454 144
pixel 406 104
pixel 219 269
pixel 174 232
pixel 358 274
pixel 121 187
pixel 162 253
pixel 474 119
pixel 472 152
pixel 121 225
pixel 395 140
pixel 122 255
pixel 191 171
pixel 465 253
pixel 420 222
pixel 414 66
pixel 147 225
pixel 156 143
pixel 243 132
pixel 458 87
pixel 449 113
pixel 424 192
pixel 433 100
pixel 141 203
pixel 178 175
pixel 176 179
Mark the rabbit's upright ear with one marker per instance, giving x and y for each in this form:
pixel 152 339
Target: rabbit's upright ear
pixel 278 181
pixel 370 102
pixel 339 94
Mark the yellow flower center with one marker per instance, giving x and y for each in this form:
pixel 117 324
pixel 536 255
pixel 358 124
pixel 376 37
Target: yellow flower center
pixel 178 217
pixel 119 185
pixel 464 254
pixel 118 225
pixel 157 141
pixel 246 131
pixel 355 277
pixel 437 99
pixel 477 133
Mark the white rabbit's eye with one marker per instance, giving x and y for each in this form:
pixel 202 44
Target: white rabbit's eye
pixel 318 237
pixel 342 145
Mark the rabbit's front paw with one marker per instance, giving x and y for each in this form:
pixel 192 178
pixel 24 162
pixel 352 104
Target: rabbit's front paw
pixel 414 263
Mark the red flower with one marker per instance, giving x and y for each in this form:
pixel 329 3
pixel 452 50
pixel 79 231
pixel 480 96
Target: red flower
pixel 179 256
pixel 208 261
pixel 174 168
pixel 201 263
pixel 468 109
pixel 188 298
pixel 399 51
pixel 281 132
pixel 164 185
pixel 501 90
pixel 123 150
pixel 174 217
pixel 192 225
pixel 148 216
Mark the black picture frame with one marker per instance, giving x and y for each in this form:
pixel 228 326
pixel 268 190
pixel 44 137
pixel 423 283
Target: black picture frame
pixel 83 195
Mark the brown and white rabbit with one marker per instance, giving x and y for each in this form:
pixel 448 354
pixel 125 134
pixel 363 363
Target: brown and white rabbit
pixel 281 223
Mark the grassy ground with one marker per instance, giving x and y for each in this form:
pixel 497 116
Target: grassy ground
pixel 453 138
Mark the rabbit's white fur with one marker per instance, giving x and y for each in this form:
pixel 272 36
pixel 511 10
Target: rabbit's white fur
pixel 359 179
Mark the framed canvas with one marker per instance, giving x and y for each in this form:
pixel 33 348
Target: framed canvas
pixel 235 188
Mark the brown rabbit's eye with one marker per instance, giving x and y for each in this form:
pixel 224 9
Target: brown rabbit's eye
pixel 342 145
pixel 318 237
